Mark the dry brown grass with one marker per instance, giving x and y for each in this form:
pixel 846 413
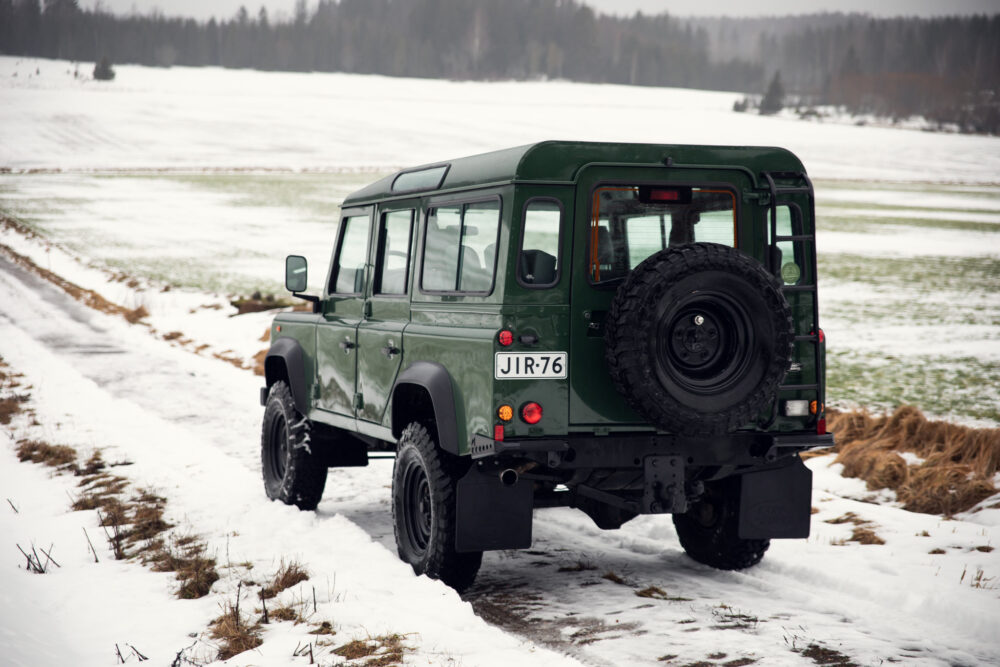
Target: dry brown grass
pixel 381 651
pixel 958 462
pixel 287 576
pixel 235 632
pixel 614 578
pixel 56 456
pixel 188 558
pixel 258 362
pixel 89 298
pixel 10 406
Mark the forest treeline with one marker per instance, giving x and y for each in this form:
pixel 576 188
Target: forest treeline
pixel 947 69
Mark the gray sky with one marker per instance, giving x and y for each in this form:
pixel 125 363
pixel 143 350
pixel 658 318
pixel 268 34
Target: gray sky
pixel 204 9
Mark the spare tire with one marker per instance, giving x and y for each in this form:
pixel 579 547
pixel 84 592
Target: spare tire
pixel 698 338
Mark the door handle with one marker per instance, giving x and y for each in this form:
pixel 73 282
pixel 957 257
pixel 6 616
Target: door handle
pixel 347 346
pixel 390 350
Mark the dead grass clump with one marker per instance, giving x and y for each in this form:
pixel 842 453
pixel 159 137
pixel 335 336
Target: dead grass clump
pixel 324 628
pixel 944 489
pixel 136 314
pixel 173 335
pixel 382 651
pixel 958 462
pixel 865 536
pixel 613 577
pixel 286 577
pixel 258 362
pixel 236 634
pixel 578 566
pixel 57 456
pixel 284 613
pixel 10 406
pixel 190 562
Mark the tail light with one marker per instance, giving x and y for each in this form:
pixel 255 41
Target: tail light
pixel 531 413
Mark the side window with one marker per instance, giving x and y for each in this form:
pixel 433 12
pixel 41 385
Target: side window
pixel 348 276
pixel 788 224
pixel 393 261
pixel 538 264
pixel 460 247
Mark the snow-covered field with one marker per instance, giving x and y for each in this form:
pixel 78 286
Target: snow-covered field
pixel 202 180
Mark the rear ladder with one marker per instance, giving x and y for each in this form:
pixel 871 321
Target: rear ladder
pixel 779 193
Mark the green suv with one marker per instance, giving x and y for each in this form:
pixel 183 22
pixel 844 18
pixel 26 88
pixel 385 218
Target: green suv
pixel 621 328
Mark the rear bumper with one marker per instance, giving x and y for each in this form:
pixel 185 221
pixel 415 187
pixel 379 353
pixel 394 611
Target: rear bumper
pixel 629 449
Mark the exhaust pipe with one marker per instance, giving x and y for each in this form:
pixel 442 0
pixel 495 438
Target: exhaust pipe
pixel 508 477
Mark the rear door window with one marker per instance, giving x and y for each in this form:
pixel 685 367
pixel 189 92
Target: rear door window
pixel 630 223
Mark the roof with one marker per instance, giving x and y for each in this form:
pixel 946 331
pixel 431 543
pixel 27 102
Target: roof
pixel 561 161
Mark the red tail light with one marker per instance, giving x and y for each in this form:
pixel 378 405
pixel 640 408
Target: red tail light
pixel 531 413
pixel 822 336
pixel 821 426
pixel 498 432
pixel 505 337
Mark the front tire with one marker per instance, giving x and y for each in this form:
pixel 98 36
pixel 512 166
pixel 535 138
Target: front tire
pixel 709 531
pixel 292 472
pixel 423 510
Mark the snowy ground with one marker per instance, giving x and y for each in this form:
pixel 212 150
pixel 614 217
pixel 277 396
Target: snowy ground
pixel 146 178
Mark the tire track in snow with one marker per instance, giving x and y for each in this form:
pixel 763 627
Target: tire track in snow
pixel 192 424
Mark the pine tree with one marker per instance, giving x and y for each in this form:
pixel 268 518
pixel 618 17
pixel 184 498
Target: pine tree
pixel 103 71
pixel 774 98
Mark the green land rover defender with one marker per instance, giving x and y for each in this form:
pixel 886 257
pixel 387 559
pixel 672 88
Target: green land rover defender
pixel 621 328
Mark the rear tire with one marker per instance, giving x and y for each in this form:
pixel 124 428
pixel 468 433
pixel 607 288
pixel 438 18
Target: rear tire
pixel 709 530
pixel 292 473
pixel 423 510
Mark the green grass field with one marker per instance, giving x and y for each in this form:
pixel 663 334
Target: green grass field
pixel 910 273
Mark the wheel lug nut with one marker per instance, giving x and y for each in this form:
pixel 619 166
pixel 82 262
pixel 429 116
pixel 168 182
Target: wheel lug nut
pixel 699 320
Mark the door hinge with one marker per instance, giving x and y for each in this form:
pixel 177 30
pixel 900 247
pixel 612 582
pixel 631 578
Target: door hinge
pixel 359 401
pixel 763 198
pixel 367 310
pixel 315 391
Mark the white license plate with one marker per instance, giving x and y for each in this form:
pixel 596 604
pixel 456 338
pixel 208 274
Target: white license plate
pixel 529 365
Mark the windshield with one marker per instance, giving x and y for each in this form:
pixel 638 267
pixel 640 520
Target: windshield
pixel 630 223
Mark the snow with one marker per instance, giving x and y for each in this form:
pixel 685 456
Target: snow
pixel 201 118
pixel 189 423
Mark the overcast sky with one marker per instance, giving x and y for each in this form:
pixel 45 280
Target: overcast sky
pixel 204 9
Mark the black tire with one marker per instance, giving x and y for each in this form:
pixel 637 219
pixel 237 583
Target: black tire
pixel 698 338
pixel 423 510
pixel 292 474
pixel 709 530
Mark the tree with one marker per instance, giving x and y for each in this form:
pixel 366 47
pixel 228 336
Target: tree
pixel 774 98
pixel 103 70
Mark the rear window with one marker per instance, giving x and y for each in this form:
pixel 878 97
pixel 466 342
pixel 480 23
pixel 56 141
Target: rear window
pixel 630 223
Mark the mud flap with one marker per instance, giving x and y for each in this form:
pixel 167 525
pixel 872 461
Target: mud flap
pixel 776 503
pixel 490 515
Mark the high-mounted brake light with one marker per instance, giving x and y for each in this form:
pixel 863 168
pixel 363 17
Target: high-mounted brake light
pixel 531 412
pixel 505 337
pixel 664 195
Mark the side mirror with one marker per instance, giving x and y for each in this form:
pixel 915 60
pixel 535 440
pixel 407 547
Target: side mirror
pixel 296 273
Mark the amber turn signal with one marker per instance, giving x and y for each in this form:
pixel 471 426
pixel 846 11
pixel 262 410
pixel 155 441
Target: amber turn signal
pixel 505 413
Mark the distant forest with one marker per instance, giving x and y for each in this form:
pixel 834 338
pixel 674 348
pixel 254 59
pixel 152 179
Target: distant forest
pixel 947 69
